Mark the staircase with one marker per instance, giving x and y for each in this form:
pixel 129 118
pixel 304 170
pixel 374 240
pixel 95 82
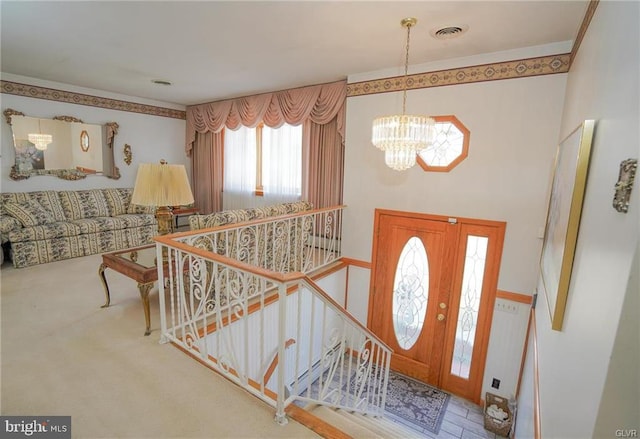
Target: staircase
pixel 240 300
pixel 342 424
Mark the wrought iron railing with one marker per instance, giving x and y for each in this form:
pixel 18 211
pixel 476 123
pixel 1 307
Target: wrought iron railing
pixel 239 298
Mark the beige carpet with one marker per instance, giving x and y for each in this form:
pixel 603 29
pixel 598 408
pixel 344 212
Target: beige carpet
pixel 61 354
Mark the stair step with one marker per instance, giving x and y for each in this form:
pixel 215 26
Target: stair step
pixel 345 423
pixel 385 426
pixel 361 426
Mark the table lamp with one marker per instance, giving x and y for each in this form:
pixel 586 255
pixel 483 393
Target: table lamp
pixel 162 185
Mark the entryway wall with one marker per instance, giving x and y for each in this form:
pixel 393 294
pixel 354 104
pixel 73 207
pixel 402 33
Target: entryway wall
pixel 514 127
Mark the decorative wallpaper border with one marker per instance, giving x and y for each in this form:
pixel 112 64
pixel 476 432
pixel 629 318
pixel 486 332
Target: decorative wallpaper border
pixel 588 15
pixel 51 94
pixel 522 68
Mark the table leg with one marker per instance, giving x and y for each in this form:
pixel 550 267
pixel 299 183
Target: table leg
pixel 104 285
pixel 144 295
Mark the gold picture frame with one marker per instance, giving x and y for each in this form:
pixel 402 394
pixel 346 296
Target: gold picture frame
pixel 563 218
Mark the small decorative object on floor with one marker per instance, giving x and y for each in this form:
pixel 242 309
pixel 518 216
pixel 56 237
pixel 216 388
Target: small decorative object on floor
pixel 498 417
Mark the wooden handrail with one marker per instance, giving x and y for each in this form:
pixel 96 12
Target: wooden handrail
pixel 537 432
pixel 274 362
pixel 343 311
pixel 254 222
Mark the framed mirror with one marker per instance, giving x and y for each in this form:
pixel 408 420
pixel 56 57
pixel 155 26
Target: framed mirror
pixel 64 146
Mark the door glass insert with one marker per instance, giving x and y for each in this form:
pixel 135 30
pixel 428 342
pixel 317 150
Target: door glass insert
pixel 410 293
pixel 472 278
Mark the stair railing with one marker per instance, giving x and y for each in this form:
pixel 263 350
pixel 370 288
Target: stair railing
pixel 234 295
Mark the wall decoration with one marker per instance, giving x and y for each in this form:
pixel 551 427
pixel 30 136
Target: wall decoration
pixel 84 141
pixel 625 183
pixel 127 154
pixel 563 218
pixel 60 159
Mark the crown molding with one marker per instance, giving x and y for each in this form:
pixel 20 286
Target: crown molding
pixel 51 94
pixel 522 68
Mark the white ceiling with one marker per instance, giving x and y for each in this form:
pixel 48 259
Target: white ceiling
pixel 212 50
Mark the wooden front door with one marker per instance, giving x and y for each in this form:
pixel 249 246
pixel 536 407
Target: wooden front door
pixel 421 266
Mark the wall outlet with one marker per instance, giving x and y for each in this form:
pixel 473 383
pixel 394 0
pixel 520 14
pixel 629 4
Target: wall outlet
pixel 495 383
pixel 505 306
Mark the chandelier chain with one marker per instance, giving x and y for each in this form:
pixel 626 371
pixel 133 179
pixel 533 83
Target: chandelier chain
pixel 406 72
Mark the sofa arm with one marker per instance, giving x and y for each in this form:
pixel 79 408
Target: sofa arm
pixel 8 224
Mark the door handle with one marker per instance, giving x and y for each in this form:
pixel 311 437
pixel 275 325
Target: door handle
pixel 440 317
pixel 443 305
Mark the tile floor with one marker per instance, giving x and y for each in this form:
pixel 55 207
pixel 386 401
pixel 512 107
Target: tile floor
pixel 462 420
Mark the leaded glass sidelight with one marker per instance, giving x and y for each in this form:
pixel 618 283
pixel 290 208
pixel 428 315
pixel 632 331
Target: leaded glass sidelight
pixel 410 293
pixel 472 279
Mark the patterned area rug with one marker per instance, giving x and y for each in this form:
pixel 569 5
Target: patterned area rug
pixel 415 404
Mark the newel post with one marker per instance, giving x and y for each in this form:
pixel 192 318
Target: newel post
pixel 281 417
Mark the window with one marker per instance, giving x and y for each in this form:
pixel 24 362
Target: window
pixel 450 147
pixel 263 160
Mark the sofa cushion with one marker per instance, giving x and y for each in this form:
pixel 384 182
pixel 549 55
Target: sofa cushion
pixel 138 209
pixel 138 220
pixel 47 199
pixel 107 223
pixel 226 217
pixel 289 208
pixel 44 231
pixel 99 224
pixel 118 200
pixel 29 213
pixel 84 204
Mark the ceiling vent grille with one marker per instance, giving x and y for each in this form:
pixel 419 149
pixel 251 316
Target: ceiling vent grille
pixel 450 32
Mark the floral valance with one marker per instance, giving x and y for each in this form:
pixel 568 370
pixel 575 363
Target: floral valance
pixel 317 103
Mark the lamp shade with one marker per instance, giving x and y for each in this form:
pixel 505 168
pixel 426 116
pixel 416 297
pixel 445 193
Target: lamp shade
pixel 162 184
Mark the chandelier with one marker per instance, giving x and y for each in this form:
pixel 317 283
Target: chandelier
pixel 40 140
pixel 401 137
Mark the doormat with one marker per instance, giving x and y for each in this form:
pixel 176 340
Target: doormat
pixel 415 404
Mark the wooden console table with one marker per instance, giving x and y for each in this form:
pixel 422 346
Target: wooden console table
pixel 184 211
pixel 138 264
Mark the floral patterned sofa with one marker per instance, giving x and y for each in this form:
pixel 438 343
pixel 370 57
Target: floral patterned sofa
pixel 47 226
pixel 279 245
pixel 225 217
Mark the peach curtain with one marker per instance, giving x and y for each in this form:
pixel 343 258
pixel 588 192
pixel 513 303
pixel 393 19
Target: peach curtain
pixel 207 164
pixel 316 105
pixel 325 165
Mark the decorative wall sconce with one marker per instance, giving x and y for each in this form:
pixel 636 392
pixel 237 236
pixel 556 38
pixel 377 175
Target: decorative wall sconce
pixel 625 183
pixel 127 154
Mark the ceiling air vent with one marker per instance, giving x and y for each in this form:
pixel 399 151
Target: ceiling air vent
pixel 448 32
